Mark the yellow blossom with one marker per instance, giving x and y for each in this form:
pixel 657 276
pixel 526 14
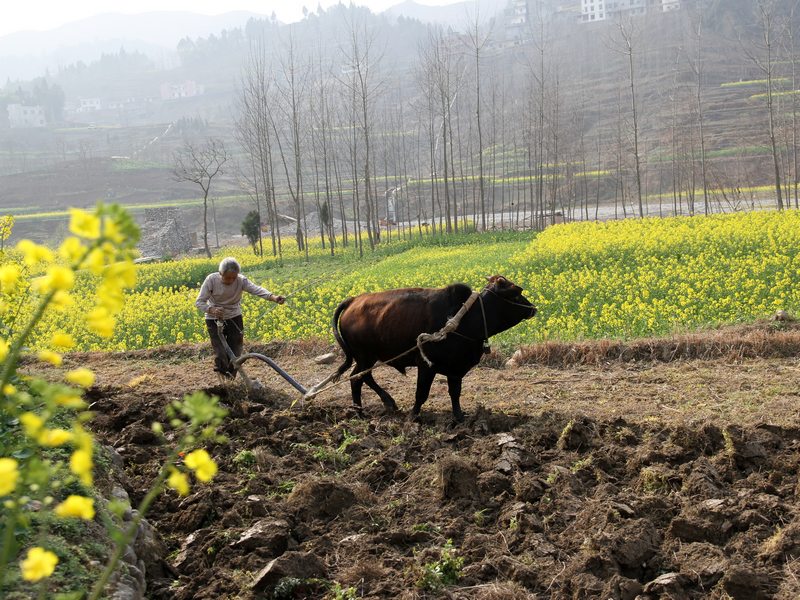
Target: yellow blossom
pixel 76 506
pixel 51 357
pixel 178 482
pixel 96 261
pixel 32 423
pixel 61 301
pixel 62 340
pixel 56 278
pixel 9 276
pixel 202 464
pixel 71 249
pixel 38 564
pixel 84 224
pixel 33 253
pixel 100 321
pixel 110 297
pixel 69 401
pixel 111 231
pixel 9 390
pixel 124 271
pixel 81 376
pixel 54 437
pixel 4 347
pixel 80 463
pixel 9 474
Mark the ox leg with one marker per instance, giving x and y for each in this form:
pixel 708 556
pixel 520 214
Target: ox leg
pixel 385 397
pixel 355 387
pixel 454 388
pixel 425 378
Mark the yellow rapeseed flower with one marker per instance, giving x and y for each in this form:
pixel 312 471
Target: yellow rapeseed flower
pixel 33 253
pixel 70 401
pixel 62 301
pixel 9 390
pixel 76 506
pixel 178 482
pixel 9 276
pixel 100 321
pixel 111 231
pixel 58 278
pixel 54 437
pixel 81 376
pixel 84 224
pixel 4 348
pixel 9 474
pixel 38 564
pixel 202 464
pixel 31 423
pixel 71 249
pixel 62 340
pixel 96 261
pixel 51 357
pixel 80 463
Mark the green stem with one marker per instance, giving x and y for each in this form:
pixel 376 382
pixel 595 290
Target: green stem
pixel 130 532
pixel 8 541
pixel 16 347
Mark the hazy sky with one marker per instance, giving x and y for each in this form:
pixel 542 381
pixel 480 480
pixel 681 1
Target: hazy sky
pixel 39 15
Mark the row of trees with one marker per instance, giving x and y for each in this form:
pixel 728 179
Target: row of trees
pixel 622 120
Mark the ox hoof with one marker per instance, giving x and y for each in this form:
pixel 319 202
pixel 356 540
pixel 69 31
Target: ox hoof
pixel 459 417
pixel 414 417
pixel 359 410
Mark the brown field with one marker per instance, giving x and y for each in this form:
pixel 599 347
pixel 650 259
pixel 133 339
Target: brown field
pixel 658 469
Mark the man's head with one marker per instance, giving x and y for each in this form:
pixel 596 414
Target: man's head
pixel 229 269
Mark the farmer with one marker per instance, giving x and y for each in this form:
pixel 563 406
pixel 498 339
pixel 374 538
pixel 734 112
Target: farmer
pixel 220 299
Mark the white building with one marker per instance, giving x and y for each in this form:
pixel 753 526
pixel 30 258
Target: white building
pixel 601 10
pixel 185 89
pixel 89 105
pixel 20 116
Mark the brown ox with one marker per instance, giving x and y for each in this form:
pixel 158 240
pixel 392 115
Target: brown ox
pixel 383 325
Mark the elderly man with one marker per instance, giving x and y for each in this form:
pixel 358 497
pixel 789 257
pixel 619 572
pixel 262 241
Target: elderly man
pixel 220 299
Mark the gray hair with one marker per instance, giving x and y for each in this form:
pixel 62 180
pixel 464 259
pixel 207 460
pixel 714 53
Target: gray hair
pixel 229 265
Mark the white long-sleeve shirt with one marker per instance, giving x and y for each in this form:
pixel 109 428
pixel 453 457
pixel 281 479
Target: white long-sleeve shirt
pixel 214 293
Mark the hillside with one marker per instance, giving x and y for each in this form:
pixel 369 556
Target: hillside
pixel 619 478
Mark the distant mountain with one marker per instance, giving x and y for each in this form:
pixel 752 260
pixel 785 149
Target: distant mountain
pixel 26 54
pixel 455 15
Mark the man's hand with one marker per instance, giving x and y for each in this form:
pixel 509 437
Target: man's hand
pixel 278 299
pixel 216 311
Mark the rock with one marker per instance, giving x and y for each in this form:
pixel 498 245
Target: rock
pixel 191 545
pixel 271 535
pixel 256 506
pixel 668 585
pixel 782 315
pixel 300 565
pixel 325 359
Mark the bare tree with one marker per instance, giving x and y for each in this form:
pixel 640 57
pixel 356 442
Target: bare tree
pixel 200 164
pixel 767 12
pixel 627 47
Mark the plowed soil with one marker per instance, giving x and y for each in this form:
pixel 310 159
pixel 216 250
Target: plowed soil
pixel 614 480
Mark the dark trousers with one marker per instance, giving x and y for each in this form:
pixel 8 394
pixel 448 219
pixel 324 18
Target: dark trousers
pixel 233 331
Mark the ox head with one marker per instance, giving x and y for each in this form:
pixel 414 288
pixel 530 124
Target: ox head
pixel 515 305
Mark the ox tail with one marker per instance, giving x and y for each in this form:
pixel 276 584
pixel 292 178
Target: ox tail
pixel 348 355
